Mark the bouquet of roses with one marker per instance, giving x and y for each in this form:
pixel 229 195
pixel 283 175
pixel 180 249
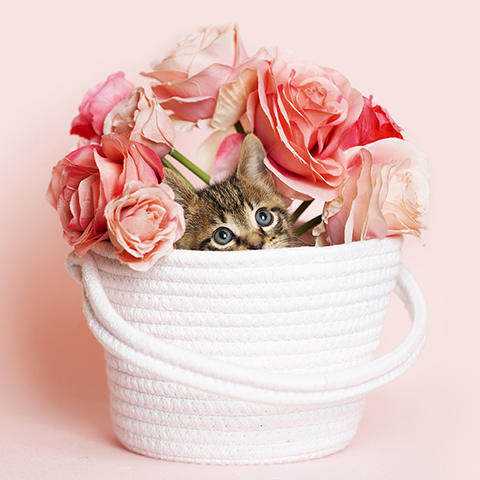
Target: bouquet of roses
pixel 325 142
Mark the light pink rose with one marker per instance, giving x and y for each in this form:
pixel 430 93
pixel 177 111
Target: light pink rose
pixel 408 187
pixel 141 119
pixel 300 113
pixel 373 124
pixel 206 65
pixel 386 191
pixel 144 223
pixel 96 104
pixel 88 178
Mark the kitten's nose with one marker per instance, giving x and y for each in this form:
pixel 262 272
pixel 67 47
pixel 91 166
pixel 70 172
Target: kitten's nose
pixel 255 241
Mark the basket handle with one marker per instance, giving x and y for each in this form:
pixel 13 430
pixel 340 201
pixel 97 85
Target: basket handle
pixel 176 364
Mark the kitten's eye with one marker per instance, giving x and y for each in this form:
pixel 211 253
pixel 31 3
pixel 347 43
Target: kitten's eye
pixel 223 236
pixel 263 217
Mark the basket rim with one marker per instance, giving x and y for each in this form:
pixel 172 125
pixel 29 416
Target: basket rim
pixel 332 253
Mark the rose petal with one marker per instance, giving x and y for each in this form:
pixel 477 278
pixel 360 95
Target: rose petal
pixel 227 157
pixel 232 99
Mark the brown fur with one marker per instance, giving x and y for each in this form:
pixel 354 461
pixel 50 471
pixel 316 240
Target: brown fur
pixel 233 204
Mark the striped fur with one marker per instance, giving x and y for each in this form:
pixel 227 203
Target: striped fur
pixel 233 204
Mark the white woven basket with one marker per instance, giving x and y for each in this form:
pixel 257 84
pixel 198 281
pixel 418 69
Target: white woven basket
pixel 247 357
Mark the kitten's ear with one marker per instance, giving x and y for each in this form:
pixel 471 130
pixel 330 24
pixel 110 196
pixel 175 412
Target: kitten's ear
pixel 183 194
pixel 250 165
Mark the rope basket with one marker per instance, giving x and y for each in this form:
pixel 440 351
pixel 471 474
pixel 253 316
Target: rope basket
pixel 250 357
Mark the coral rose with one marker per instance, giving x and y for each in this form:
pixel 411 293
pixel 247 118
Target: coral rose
pixel 387 190
pixel 300 113
pixel 144 223
pixel 97 103
pixel 206 64
pixel 141 119
pixel 88 178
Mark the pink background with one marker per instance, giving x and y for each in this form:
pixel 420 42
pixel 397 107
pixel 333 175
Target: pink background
pixel 419 59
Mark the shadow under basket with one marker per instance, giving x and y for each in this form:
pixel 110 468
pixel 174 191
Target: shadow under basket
pixel 251 357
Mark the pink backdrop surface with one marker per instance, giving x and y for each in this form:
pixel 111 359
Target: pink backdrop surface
pixel 418 59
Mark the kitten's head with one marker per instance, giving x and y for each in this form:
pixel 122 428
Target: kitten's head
pixel 244 212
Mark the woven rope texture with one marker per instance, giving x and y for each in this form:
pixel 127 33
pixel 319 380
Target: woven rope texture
pixel 247 357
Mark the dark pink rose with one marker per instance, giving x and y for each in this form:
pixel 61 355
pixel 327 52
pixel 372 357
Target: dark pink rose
pixel 76 192
pixel 300 113
pixel 88 178
pixel 96 105
pixel 373 124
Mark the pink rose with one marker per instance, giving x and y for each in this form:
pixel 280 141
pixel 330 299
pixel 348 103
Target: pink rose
pixel 96 104
pixel 387 190
pixel 408 187
pixel 144 223
pixel 300 113
pixel 206 65
pixel 88 178
pixel 141 119
pixel 373 124
pixel 76 192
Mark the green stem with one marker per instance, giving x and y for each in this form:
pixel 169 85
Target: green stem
pixel 191 166
pixel 239 127
pixel 308 225
pixel 167 164
pixel 300 209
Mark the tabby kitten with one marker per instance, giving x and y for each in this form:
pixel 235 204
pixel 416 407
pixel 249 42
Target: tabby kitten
pixel 244 212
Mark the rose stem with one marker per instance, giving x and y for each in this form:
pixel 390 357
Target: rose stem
pixel 167 164
pixel 300 209
pixel 308 225
pixel 239 127
pixel 191 166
